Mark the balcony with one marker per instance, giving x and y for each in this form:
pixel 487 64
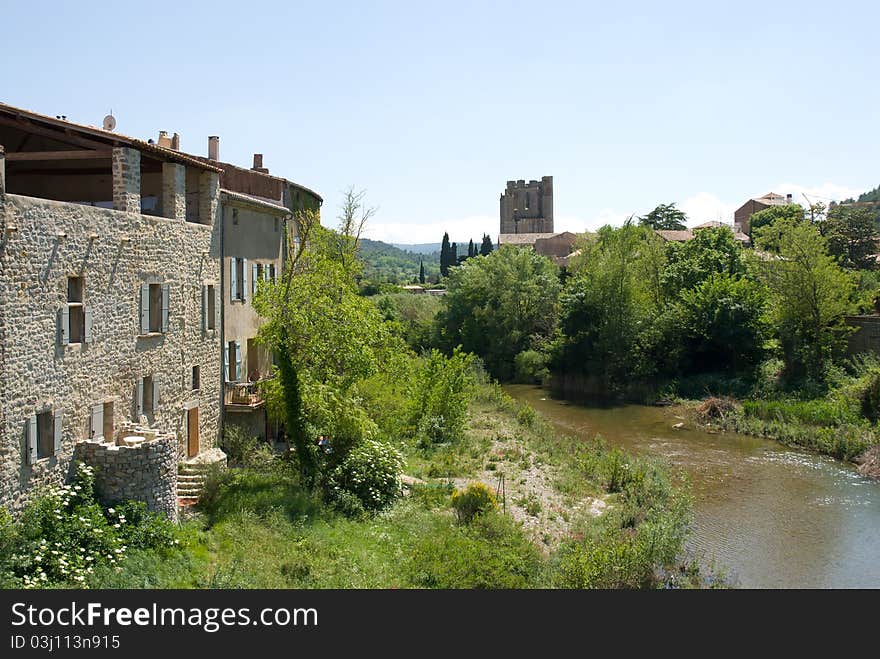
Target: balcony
pixel 242 397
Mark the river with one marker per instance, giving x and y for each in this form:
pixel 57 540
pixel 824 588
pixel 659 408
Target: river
pixel 766 515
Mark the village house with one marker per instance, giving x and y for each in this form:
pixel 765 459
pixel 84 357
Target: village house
pixel 743 214
pixel 684 235
pixel 127 269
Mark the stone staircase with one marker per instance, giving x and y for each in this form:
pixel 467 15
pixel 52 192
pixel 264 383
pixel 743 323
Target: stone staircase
pixel 191 475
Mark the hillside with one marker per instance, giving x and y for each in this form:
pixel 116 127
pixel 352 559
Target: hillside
pixel 384 263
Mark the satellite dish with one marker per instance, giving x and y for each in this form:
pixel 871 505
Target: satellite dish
pixel 109 122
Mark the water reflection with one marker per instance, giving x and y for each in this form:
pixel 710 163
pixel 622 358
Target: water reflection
pixel 771 517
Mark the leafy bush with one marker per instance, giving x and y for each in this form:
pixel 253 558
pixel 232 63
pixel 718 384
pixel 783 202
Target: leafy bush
pixel 475 499
pixel 526 415
pixel 64 535
pixel 440 396
pixel 370 472
pixel 239 447
pixel 530 367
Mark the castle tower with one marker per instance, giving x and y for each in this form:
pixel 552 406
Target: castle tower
pixel 527 208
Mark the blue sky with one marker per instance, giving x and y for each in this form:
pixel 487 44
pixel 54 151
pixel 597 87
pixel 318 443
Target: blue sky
pixel 432 107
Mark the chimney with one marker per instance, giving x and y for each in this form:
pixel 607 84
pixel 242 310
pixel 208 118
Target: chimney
pixel 164 140
pixel 214 147
pixel 788 198
pixel 175 142
pixel 258 164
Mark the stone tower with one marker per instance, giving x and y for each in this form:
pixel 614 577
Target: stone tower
pixel 527 208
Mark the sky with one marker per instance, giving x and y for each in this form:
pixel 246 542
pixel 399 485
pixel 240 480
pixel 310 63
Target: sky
pixel 431 107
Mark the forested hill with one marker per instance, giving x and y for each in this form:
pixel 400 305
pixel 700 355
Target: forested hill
pixel 869 196
pixel 384 263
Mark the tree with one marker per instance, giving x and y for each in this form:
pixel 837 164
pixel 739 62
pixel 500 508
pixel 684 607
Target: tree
pixel 471 251
pixel 453 254
pixel 713 250
pixel 421 272
pixel 486 248
pixel 500 305
pixel 792 212
pixel 810 297
pixel 852 235
pixel 445 261
pixel 665 216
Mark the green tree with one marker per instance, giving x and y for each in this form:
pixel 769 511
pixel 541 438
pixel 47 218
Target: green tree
pixel 792 212
pixel 486 247
pixel 665 216
pixel 852 235
pixel 500 305
pixel 421 272
pixel 453 254
pixel 810 296
pixel 445 261
pixel 713 250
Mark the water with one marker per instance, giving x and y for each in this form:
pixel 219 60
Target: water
pixel 768 516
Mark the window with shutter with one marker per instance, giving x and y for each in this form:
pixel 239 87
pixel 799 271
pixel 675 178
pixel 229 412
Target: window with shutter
pixel 32 439
pixel 244 280
pixel 64 325
pixel 210 307
pixel 46 425
pixel 89 336
pixel 155 401
pixel 272 272
pixel 139 399
pixel 230 347
pixel 255 277
pixel 58 431
pixel 204 308
pixel 238 361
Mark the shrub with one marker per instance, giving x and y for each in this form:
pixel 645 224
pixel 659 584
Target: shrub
pixel 530 367
pixel 440 397
pixel 238 445
pixel 370 472
pixel 526 415
pixel 475 499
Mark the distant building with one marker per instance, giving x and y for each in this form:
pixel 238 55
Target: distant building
pixel 415 289
pixel 527 208
pixel 683 235
pixel 743 214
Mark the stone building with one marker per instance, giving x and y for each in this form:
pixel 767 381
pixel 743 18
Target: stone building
pixel 527 208
pixel 108 246
pixel 743 214
pixel 125 272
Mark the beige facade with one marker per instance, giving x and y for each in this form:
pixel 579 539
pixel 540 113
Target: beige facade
pixel 527 207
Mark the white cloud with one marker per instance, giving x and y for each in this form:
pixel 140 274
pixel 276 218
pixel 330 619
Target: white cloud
pixel 824 193
pixel 704 206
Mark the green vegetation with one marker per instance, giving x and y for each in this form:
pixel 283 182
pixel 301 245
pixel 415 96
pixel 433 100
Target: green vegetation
pixel 665 216
pixel 386 264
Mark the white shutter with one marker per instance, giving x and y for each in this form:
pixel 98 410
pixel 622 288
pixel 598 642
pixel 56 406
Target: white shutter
pixel 226 363
pixel 204 308
pixel 238 361
pixel 155 392
pixel 32 439
pixel 166 299
pixel 88 322
pixel 145 308
pixel 59 427
pixel 139 400
pixel 97 421
pixel 244 283
pixel 266 271
pixel 64 325
pixel 233 279
pixel 254 278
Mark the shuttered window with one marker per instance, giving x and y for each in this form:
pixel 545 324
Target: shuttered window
pixel 74 318
pixel 155 308
pixel 44 434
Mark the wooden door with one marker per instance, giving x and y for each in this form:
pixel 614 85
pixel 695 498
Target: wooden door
pixel 192 427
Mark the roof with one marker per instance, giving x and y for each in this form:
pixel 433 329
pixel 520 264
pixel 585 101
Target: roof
pixel 675 235
pixel 711 224
pixel 244 170
pixel 111 138
pixel 522 238
pixel 256 202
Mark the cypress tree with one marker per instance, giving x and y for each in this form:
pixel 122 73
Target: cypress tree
pixel 486 248
pixel 471 251
pixel 444 256
pixel 421 272
pixel 453 254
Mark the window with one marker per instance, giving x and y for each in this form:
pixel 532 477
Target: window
pixel 238 284
pixel 101 425
pixel 44 431
pixel 235 216
pixel 147 396
pixel 232 358
pixel 209 307
pixel 196 378
pixel 276 225
pixel 272 272
pixel 75 320
pixel 256 275
pixel 155 302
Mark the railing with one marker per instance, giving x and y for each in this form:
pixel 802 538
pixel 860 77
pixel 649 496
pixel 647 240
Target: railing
pixel 242 394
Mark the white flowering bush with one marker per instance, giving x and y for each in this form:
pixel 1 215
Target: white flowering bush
pixel 64 534
pixel 370 472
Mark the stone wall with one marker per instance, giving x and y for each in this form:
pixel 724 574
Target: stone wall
pixel 147 472
pixel 866 337
pixel 115 253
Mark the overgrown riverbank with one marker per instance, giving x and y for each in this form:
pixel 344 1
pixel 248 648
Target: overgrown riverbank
pixel 259 527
